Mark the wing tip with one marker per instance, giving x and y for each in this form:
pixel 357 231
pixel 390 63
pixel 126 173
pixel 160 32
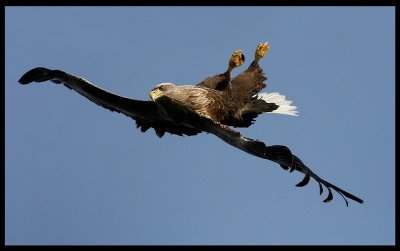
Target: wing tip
pixel 38 74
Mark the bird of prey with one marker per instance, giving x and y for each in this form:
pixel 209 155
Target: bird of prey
pixel 214 106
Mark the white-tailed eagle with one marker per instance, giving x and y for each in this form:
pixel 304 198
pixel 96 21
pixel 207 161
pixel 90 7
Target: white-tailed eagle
pixel 211 106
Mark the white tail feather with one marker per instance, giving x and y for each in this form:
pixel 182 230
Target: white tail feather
pixel 285 106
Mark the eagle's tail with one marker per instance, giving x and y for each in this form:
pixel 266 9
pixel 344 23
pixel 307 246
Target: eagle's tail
pixel 283 106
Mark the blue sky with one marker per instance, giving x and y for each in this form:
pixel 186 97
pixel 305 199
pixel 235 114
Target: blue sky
pixel 79 174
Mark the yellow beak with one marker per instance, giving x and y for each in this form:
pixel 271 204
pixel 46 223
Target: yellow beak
pixel 155 94
pixel 152 94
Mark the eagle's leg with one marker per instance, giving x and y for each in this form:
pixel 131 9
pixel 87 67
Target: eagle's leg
pixel 236 60
pixel 261 51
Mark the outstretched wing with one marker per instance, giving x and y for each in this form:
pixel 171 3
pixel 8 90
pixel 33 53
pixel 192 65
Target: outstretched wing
pixel 277 153
pixel 146 113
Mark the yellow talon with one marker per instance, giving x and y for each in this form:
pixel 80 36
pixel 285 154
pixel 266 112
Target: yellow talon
pixel 261 50
pixel 237 59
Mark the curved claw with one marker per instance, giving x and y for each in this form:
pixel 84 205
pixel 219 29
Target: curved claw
pixel 330 196
pixel 305 180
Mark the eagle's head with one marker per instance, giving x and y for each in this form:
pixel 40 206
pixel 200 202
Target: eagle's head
pixel 160 89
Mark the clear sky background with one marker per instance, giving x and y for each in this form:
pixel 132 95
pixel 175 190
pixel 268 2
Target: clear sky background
pixel 79 174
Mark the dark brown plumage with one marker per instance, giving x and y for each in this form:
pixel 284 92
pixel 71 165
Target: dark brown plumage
pixel 210 106
pixel 221 81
